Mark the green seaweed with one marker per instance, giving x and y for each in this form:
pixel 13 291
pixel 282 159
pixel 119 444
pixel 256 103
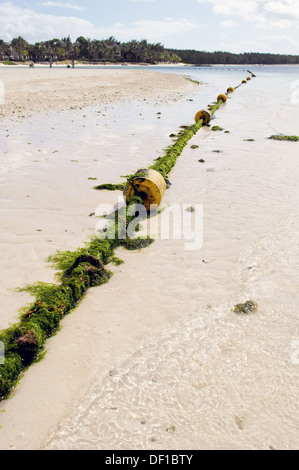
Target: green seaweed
pixel 247 307
pixel 193 81
pixel 110 187
pixel 165 163
pixel 291 138
pixel 116 261
pixel 217 128
pixel 79 270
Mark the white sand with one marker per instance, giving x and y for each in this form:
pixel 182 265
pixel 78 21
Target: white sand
pixel 159 347
pixel 47 155
pixel 40 89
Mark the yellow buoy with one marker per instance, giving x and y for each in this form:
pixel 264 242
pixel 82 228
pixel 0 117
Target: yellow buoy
pixel 244 81
pixel 230 90
pixel 248 78
pixel 203 114
pixel 149 185
pixel 222 97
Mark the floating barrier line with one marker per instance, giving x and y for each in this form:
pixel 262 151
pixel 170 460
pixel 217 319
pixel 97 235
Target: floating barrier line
pixel 81 269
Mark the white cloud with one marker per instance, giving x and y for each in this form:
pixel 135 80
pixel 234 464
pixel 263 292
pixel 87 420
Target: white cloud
pixel 63 5
pixel 241 8
pixel 167 27
pixel 256 10
pixel 285 8
pixel 153 31
pixel 33 26
pixel 280 39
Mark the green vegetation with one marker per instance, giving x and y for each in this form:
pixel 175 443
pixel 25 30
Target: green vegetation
pixel 9 62
pixel 77 271
pixel 291 138
pixel 217 128
pixel 248 307
pixel 87 51
pixel 165 163
pixel 111 187
pixel 193 81
pixel 189 56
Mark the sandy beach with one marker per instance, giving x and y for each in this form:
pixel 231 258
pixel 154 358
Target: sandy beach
pixel 28 91
pixel 156 358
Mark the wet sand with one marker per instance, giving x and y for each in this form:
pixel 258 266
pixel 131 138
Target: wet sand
pixel 156 358
pixel 28 91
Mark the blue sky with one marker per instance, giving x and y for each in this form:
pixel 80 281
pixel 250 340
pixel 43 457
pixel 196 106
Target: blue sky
pixel 230 25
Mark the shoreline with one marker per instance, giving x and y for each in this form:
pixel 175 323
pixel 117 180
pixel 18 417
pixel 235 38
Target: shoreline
pixel 98 64
pixel 38 199
pixel 45 89
pixel 163 297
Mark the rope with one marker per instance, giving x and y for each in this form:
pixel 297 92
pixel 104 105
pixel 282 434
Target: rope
pixel 79 270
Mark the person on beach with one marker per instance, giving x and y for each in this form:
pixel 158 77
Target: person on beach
pixel 73 64
pixel 31 65
pixel 51 63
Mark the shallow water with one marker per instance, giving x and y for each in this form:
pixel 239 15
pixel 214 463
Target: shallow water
pixel 204 377
pixel 215 379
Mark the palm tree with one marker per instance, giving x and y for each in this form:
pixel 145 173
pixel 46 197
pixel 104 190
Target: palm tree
pixel 18 47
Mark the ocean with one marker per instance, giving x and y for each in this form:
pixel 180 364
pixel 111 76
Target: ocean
pixel 213 378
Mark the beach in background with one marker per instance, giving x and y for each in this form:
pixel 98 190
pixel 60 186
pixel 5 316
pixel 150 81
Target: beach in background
pixel 156 358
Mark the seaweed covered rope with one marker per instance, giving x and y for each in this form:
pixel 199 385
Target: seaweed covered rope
pixel 77 271
pixel 164 164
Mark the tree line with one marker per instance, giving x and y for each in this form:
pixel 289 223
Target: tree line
pixel 84 49
pixel 220 57
pixel 111 50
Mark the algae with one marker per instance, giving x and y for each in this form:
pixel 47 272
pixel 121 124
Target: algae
pixel 165 163
pixel 110 187
pixel 193 81
pixel 79 270
pixel 247 307
pixel 291 138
